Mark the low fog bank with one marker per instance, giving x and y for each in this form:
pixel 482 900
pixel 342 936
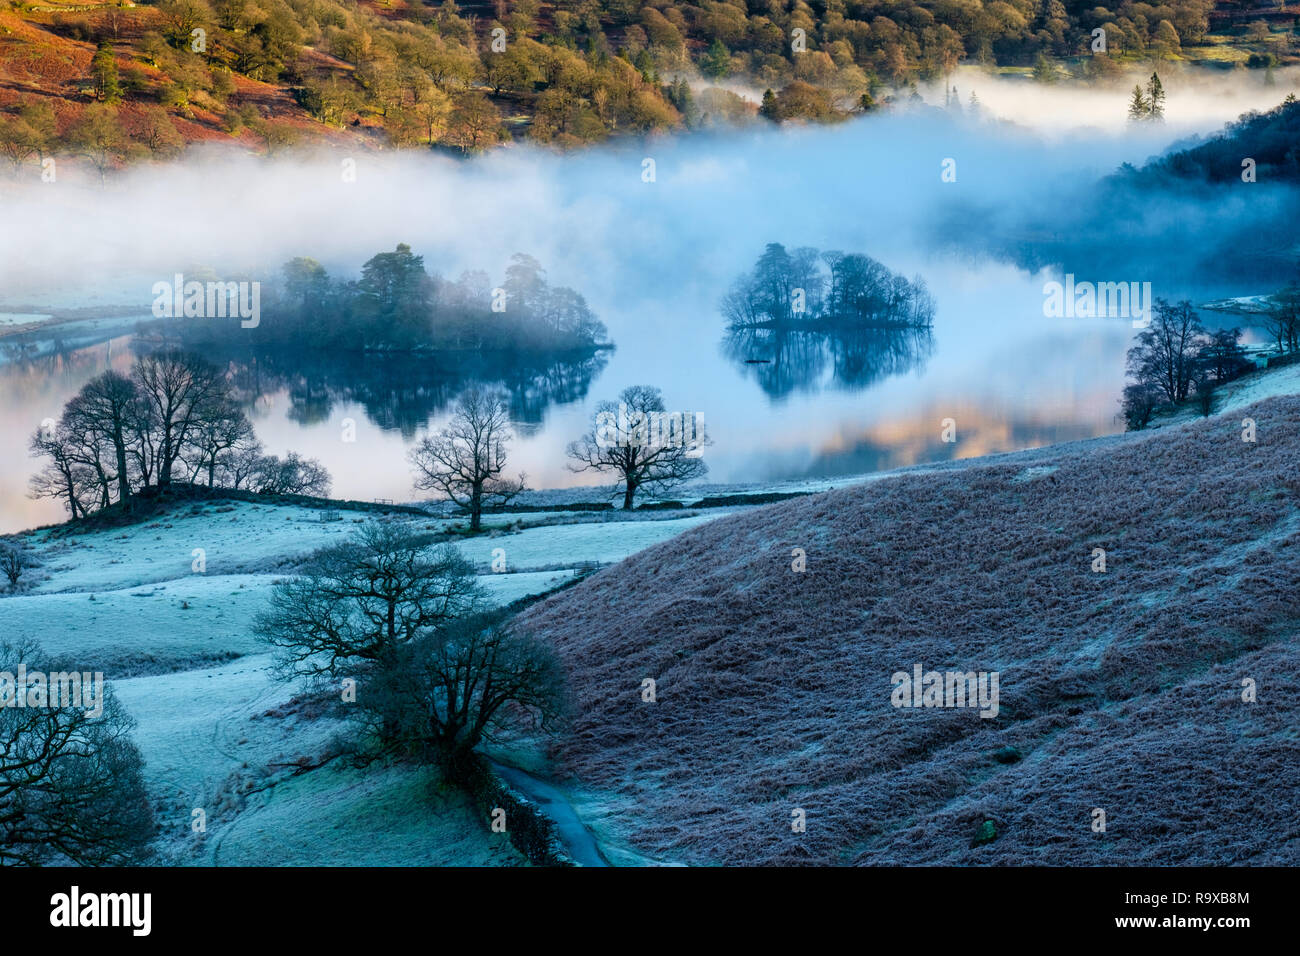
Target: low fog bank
pixel 1197 99
pixel 875 185
pixel 653 256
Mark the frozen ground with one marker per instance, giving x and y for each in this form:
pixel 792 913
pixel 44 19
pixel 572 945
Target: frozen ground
pixel 214 727
pixel 1127 688
pixel 687 495
pixel 171 629
pixel 1236 395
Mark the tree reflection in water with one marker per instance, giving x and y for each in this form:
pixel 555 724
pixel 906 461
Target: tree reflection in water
pixel 784 360
pixel 402 392
pixel 803 320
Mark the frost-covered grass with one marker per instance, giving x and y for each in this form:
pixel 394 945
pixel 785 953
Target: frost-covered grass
pixel 235 537
pixel 259 539
pixel 1258 386
pixel 212 741
pixel 1240 393
pixel 1119 690
pixel 176 641
pixel 21 318
pixel 195 727
pixel 171 625
pixel 571 544
pixel 379 816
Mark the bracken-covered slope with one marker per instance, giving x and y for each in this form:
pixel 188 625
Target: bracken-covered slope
pixel 1120 691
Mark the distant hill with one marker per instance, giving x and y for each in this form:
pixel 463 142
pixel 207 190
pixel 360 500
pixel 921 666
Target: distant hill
pixel 1120 691
pixel 403 73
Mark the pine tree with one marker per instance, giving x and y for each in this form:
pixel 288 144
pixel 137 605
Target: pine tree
pixel 645 63
pixel 1137 106
pixel 717 61
pixel 1155 98
pixel 770 109
pixel 679 94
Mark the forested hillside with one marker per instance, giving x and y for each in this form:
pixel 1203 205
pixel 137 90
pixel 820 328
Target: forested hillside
pixel 110 82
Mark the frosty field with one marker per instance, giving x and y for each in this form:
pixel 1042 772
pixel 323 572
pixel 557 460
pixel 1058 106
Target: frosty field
pixel 177 646
pixel 773 683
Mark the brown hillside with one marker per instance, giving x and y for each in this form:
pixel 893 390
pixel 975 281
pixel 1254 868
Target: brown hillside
pixel 1119 690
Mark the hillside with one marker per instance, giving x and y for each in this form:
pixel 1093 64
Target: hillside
pixel 1120 690
pixel 109 81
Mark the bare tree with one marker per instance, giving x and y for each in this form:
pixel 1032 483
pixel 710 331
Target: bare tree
pixel 643 445
pixel 1282 318
pixel 178 390
pixel 464 461
pixel 19 141
pixel 100 137
pixel 71 783
pixel 89 444
pixel 460 685
pixel 360 601
pixel 108 405
pixel 290 475
pixel 1138 405
pixel 221 428
pixel 62 477
pixel 1222 358
pixel 1167 353
pixel 15 558
pixel 239 465
pixel 130 433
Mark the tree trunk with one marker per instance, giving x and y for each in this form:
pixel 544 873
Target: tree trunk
pixel 123 478
pixel 165 463
pixel 628 495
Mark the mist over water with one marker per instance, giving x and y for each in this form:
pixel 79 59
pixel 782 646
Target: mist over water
pixel 872 184
pixel 653 260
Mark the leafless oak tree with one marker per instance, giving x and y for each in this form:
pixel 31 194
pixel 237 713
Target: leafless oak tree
pixel 1166 354
pixel 71 785
pixel 462 684
pixel 464 461
pixel 15 559
pixel 178 391
pixel 635 440
pixel 361 600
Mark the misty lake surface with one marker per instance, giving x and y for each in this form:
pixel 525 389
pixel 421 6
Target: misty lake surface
pixel 654 261
pixel 1008 376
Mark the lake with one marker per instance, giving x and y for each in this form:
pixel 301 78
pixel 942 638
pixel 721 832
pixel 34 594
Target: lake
pixel 654 260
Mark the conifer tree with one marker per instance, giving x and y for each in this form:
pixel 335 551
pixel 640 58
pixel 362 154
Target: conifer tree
pixel 1137 105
